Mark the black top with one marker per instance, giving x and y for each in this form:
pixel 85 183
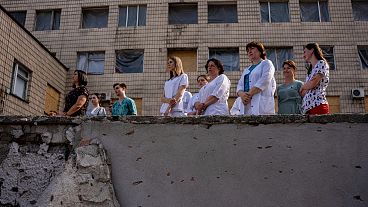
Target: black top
pixel 72 98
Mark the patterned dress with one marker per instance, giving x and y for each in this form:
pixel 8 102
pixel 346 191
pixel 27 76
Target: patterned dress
pixel 72 98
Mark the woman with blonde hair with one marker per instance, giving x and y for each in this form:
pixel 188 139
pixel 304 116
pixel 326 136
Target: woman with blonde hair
pixel 175 86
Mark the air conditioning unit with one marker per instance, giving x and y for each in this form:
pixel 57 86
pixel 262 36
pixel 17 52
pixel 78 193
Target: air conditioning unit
pixel 106 96
pixel 357 93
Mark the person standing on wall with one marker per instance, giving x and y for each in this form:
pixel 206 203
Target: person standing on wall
pixel 76 100
pixel 288 97
pixel 125 106
pixel 175 86
pixel 212 98
pixel 314 89
pixel 257 84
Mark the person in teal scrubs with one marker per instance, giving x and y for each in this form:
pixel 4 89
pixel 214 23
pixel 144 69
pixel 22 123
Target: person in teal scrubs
pixel 289 99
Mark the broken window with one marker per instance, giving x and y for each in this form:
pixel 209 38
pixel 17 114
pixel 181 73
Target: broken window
pixel 222 13
pixel 19 16
pixel 91 62
pixel 47 20
pixel 314 11
pixel 363 55
pixel 188 57
pixel 279 55
pixel 95 17
pixel 129 61
pixel 228 56
pixel 183 13
pixel 132 15
pixel 21 80
pixel 274 12
pixel 328 54
pixel 360 10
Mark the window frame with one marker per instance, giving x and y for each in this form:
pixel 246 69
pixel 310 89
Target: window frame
pixel 269 10
pixel 276 56
pixel 19 11
pixel 333 54
pixel 182 3
pixel 231 3
pixel 88 58
pixel 94 9
pixel 138 6
pixel 353 11
pixel 138 50
pixel 362 47
pixel 51 19
pixel 237 49
pixel 319 9
pixel 16 67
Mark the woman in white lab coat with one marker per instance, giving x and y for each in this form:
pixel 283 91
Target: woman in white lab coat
pixel 202 80
pixel 172 99
pixel 257 84
pixel 213 96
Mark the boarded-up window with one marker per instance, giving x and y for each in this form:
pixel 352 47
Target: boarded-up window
pixel 188 56
pixel 231 102
pixel 366 103
pixel 334 103
pixel 138 104
pixel 52 99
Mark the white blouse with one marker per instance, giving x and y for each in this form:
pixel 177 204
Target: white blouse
pixel 171 89
pixel 263 78
pixel 220 88
pixel 192 101
pixel 98 111
pixel 238 107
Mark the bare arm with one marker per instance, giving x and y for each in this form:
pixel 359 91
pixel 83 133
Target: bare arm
pixel 316 79
pixel 82 99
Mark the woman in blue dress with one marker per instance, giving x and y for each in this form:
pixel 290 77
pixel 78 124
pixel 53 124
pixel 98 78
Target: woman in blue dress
pixel 289 99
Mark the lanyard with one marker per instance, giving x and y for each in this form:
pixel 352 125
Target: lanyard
pixel 246 77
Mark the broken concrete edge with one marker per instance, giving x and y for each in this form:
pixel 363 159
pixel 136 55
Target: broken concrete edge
pixel 206 120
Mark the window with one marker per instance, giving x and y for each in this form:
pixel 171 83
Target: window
pixel 95 17
pixel 47 20
pixel 222 13
pixel 274 12
pixel 228 56
pixel 91 62
pixel 314 11
pixel 279 55
pixel 188 57
pixel 21 79
pixel 19 16
pixel 328 53
pixel 183 13
pixel 129 61
pixel 52 99
pixel 360 10
pixel 132 16
pixel 363 55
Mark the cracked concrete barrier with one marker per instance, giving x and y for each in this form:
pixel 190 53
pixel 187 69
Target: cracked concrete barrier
pixel 263 161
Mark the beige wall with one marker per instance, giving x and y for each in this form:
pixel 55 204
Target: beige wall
pixel 157 36
pixel 16 44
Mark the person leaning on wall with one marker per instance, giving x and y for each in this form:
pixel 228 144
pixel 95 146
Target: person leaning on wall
pixel 257 85
pixel 288 98
pixel 76 100
pixel 202 80
pixel 96 109
pixel 314 89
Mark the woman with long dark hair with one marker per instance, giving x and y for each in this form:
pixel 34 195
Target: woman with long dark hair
pixel 314 89
pixel 76 100
pixel 175 86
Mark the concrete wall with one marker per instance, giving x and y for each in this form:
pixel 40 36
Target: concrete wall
pixel 265 161
pixel 157 37
pixel 237 161
pixel 16 44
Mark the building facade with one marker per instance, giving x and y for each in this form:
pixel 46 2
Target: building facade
pixel 32 80
pixel 129 41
